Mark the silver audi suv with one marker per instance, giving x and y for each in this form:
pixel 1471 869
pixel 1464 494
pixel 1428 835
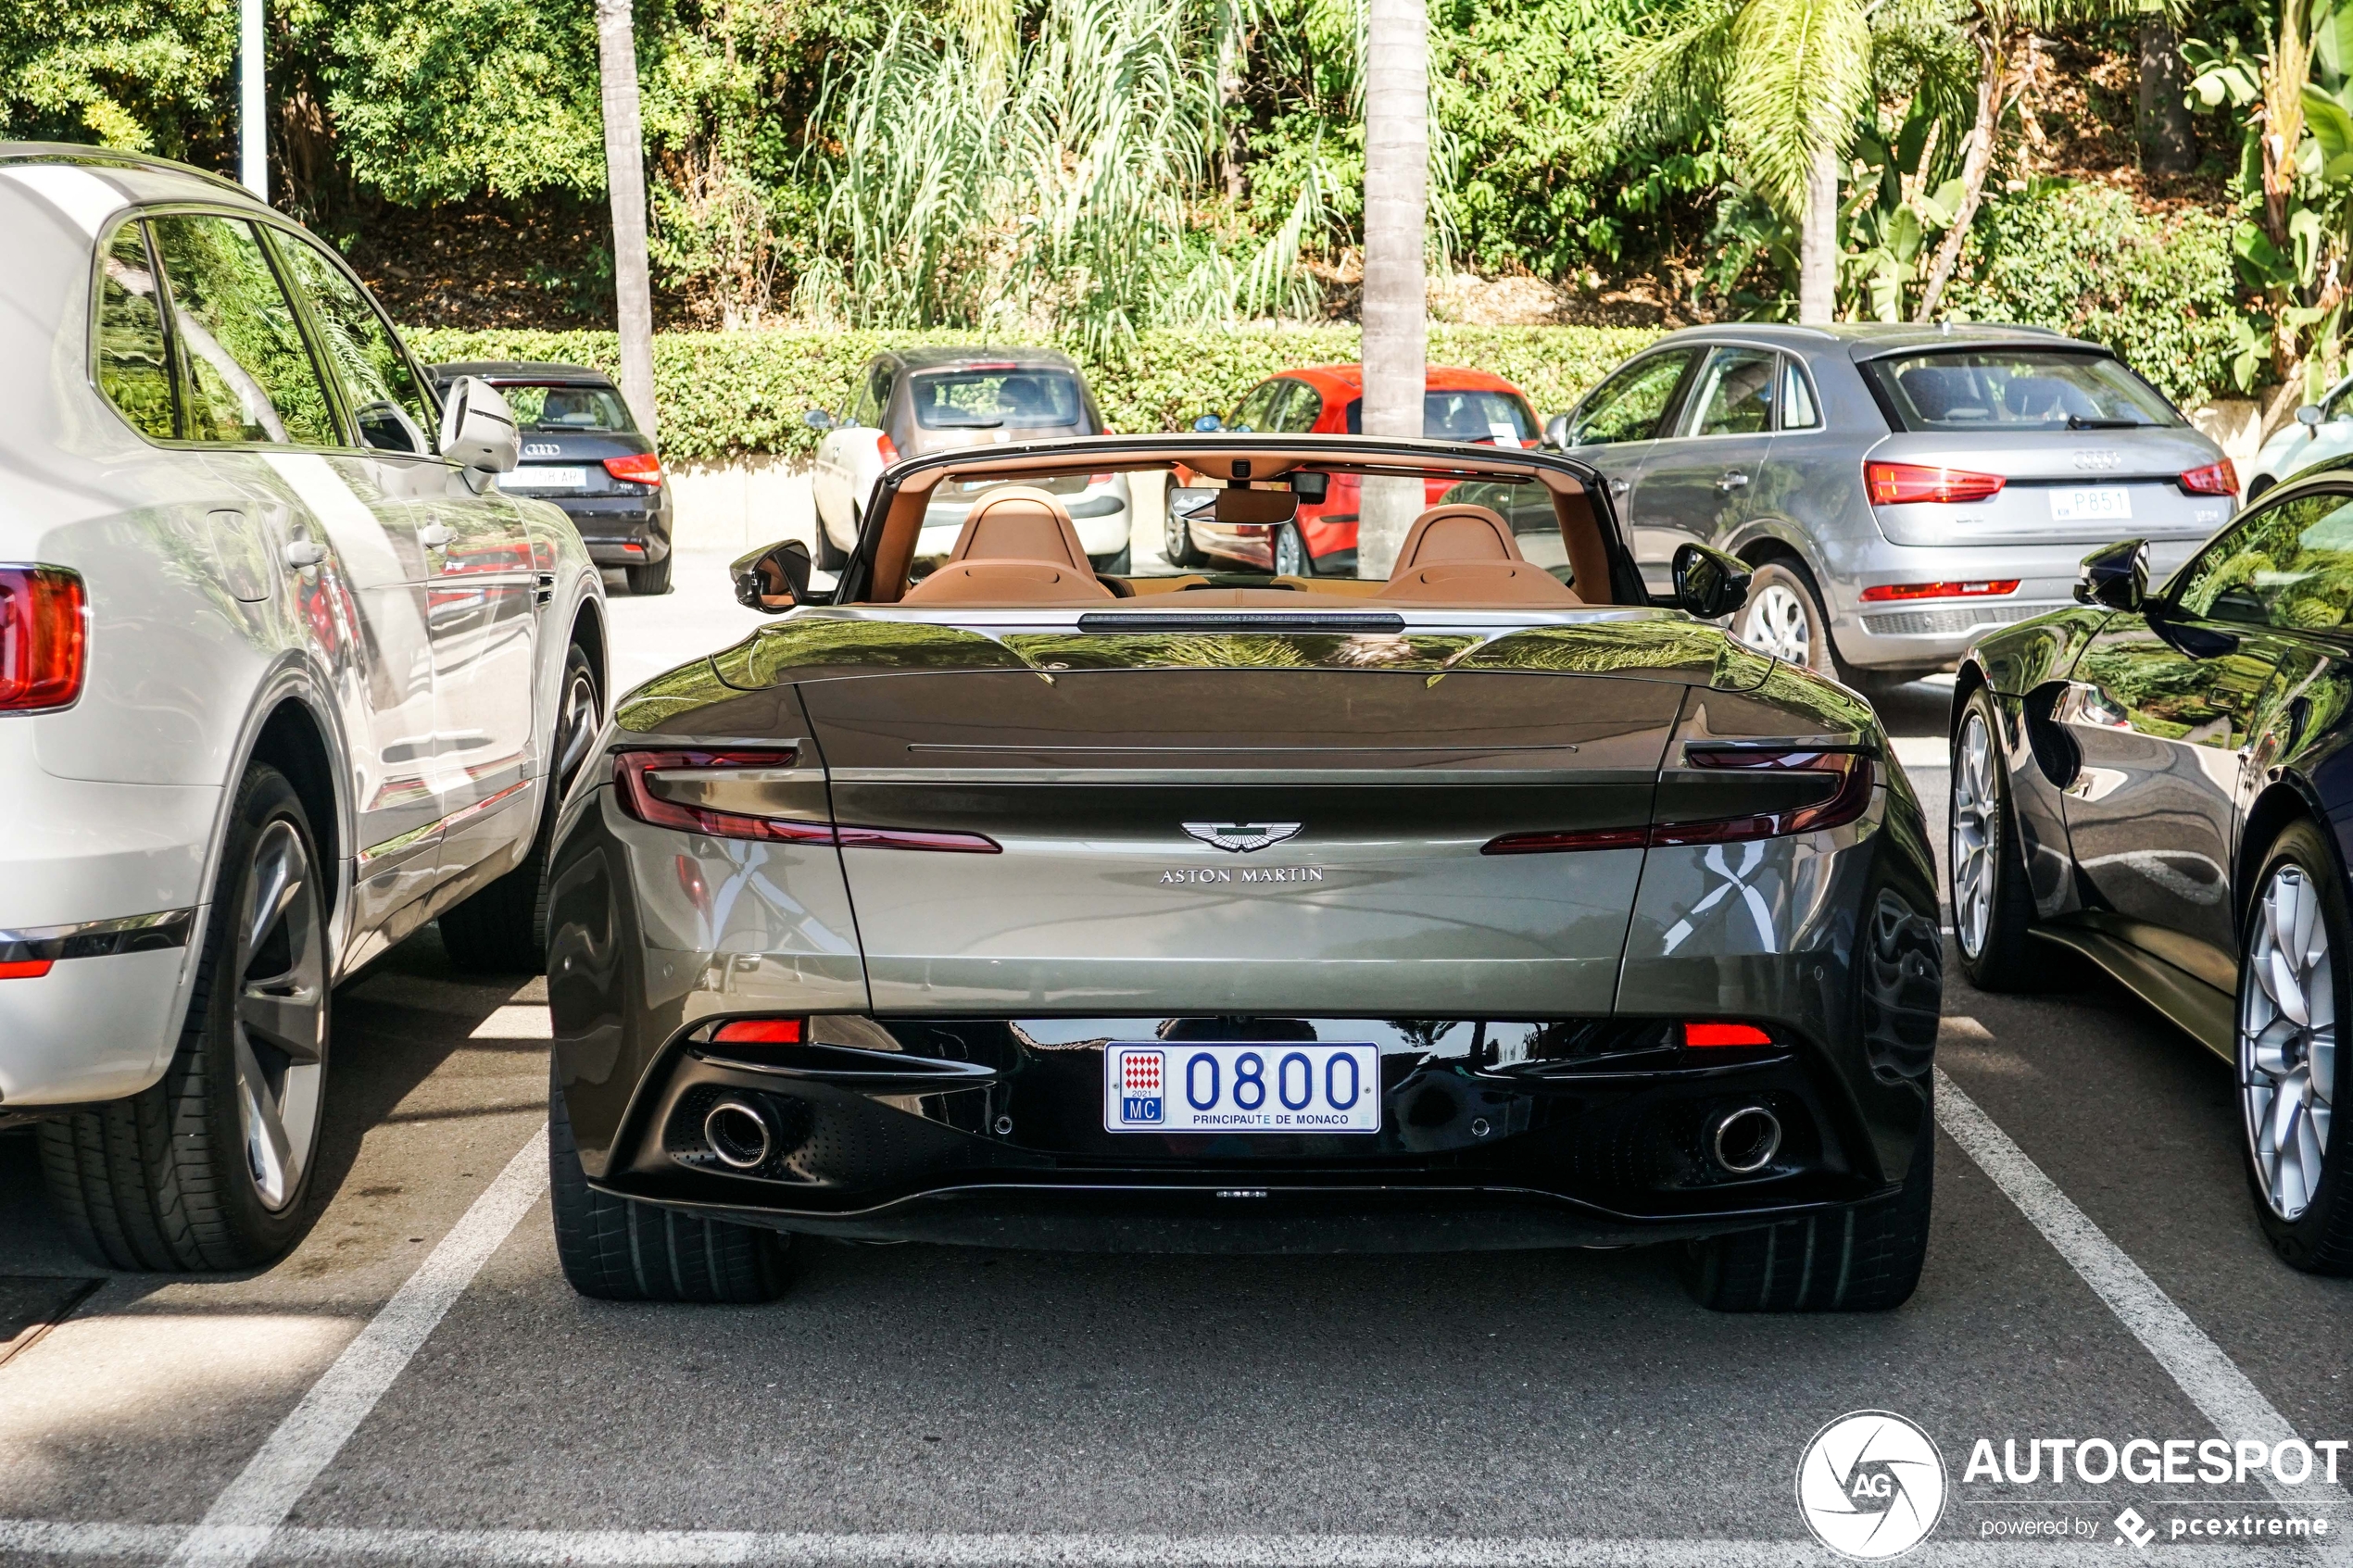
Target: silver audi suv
pixel 1898 489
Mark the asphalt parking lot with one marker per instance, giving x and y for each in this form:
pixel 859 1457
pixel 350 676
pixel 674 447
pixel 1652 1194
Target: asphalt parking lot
pixel 416 1382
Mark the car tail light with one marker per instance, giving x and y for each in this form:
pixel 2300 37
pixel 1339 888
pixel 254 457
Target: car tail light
pixel 25 968
pixel 1981 587
pixel 1710 1034
pixel 638 467
pixel 1847 800
pixel 888 448
pixel 1897 484
pixel 44 637
pixel 2214 479
pixel 759 1032
pixel 1095 479
pixel 633 777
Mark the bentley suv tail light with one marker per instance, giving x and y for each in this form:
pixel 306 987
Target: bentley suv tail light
pixel 659 787
pixel 44 637
pixel 1897 484
pixel 2214 479
pixel 638 467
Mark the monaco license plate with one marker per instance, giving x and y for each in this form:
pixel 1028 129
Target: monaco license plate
pixel 2091 503
pixel 1176 1087
pixel 546 479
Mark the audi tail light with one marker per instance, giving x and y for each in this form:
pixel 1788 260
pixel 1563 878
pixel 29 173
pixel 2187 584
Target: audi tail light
pixel 2214 479
pixel 759 1032
pixel 1898 484
pixel 1847 774
pixel 638 467
pixel 1709 1035
pixel 1979 588
pixel 642 779
pixel 44 637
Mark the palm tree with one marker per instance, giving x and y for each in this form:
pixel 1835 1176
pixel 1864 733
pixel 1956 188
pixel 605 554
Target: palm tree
pixel 1396 211
pixel 626 180
pixel 1787 81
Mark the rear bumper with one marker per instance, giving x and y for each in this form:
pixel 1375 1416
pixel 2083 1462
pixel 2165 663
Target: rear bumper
pixel 95 1028
pixel 621 529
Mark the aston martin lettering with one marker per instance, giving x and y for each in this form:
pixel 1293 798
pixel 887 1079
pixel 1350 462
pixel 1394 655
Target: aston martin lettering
pixel 1194 875
pixel 1243 839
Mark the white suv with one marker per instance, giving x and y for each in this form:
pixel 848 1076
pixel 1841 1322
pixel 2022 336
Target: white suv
pixel 281 678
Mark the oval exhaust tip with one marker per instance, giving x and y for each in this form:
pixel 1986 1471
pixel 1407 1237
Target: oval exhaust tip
pixel 1744 1142
pixel 737 1134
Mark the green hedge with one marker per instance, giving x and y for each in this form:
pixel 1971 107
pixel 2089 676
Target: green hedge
pixel 723 394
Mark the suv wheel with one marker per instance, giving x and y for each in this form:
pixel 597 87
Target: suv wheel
pixel 830 556
pixel 209 1168
pixel 1784 617
pixel 2293 988
pixel 1291 558
pixel 1176 540
pixel 651 578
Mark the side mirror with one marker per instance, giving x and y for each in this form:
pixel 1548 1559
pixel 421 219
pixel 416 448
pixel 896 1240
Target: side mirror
pixel 818 418
pixel 478 430
pixel 775 579
pixel 1556 433
pixel 1709 583
pixel 1209 423
pixel 2115 576
pixel 2309 416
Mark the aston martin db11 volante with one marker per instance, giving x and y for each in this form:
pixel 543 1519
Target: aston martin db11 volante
pixel 2159 780
pixel 1478 906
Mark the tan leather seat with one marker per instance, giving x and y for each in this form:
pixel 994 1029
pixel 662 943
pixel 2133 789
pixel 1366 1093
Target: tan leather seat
pixel 1460 553
pixel 1017 547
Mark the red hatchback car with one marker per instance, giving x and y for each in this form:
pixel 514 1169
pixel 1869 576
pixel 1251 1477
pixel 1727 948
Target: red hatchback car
pixel 1328 400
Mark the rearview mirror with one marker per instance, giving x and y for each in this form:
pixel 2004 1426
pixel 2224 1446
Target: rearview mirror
pixel 2309 416
pixel 1556 433
pixel 1709 583
pixel 775 579
pixel 477 427
pixel 2115 576
pixel 818 418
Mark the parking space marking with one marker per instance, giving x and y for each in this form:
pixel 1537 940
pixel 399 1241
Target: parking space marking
pixel 2213 1381
pixel 246 1517
pixel 713 1548
pixel 1921 751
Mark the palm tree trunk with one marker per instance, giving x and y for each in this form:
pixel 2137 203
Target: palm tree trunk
pixel 1817 243
pixel 1396 199
pixel 2168 144
pixel 1993 66
pixel 626 180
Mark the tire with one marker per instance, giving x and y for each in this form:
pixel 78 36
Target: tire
pixel 1176 540
pixel 502 929
pixel 1784 617
pixel 651 579
pixel 209 1167
pixel 2256 486
pixel 1993 905
pixel 2297 1170
pixel 1119 563
pixel 1863 1260
pixel 831 556
pixel 1291 558
pixel 618 1249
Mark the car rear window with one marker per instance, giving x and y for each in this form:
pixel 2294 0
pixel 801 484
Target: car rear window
pixel 583 411
pixel 2016 389
pixel 998 398
pixel 1496 419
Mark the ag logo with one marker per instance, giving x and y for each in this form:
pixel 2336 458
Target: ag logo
pixel 1871 1484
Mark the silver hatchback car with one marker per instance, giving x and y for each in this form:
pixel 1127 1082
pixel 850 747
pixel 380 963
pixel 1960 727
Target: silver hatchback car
pixel 1898 489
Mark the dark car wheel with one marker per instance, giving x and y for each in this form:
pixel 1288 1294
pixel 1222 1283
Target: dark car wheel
pixel 1863 1260
pixel 1117 564
pixel 651 578
pixel 1784 617
pixel 503 928
pixel 209 1168
pixel 2292 991
pixel 1993 905
pixel 617 1249
pixel 832 557
pixel 1176 540
pixel 1291 558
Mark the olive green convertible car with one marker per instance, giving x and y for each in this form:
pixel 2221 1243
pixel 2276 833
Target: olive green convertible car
pixel 1479 905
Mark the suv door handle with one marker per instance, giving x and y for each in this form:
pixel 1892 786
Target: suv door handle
pixel 1733 480
pixel 433 535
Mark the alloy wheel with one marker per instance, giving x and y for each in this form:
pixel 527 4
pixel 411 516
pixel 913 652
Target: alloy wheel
pixel 1976 834
pixel 576 726
pixel 2287 1039
pixel 1780 623
pixel 1290 553
pixel 278 1027
pixel 1176 539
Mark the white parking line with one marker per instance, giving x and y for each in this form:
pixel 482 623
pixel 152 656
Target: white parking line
pixel 2213 1381
pixel 711 1548
pixel 246 1517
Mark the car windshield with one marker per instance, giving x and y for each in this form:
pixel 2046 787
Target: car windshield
pixel 2017 389
pixel 1498 418
pixel 559 407
pixel 993 397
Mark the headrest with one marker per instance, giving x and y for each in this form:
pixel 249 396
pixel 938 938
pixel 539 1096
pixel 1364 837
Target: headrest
pixel 1020 523
pixel 1006 583
pixel 1455 532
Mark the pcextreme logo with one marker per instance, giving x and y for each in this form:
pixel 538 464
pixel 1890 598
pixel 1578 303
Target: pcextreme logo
pixel 1871 1486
